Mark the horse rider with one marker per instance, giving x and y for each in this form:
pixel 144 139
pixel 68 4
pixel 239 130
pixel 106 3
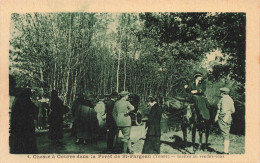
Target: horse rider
pixel 201 115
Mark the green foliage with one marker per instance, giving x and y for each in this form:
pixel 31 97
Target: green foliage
pixel 149 53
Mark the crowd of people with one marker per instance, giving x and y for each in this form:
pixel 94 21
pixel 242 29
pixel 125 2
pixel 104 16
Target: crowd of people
pixel 92 120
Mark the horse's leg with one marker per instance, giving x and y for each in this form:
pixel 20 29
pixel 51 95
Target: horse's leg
pixel 207 136
pixel 184 132
pixel 194 127
pixel 200 143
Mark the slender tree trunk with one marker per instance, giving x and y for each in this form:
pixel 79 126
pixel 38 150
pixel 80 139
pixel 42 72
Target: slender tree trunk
pixel 117 72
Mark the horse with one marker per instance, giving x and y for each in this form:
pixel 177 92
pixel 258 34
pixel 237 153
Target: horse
pixel 182 111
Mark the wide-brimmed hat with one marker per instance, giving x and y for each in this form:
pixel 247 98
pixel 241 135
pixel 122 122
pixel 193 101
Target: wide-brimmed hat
pixel 197 74
pixel 224 89
pixel 124 93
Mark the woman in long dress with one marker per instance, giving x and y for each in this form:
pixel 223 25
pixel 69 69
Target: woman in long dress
pixel 153 135
pixel 87 123
pixel 22 129
pixel 56 118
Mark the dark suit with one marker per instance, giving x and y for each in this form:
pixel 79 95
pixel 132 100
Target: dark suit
pixel 111 124
pixel 152 142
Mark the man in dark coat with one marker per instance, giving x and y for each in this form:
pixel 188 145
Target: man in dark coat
pixel 110 122
pixel 152 141
pixel 56 118
pixel 201 114
pixel 22 129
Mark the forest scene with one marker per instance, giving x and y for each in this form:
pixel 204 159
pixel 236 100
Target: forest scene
pixel 148 54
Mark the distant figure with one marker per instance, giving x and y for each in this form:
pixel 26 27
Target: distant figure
pixel 152 141
pixel 39 124
pixel 223 117
pixel 56 118
pixel 110 122
pixel 100 110
pixel 45 113
pixel 22 129
pixel 86 122
pixel 123 121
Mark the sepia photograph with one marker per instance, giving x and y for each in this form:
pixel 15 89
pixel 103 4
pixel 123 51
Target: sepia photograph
pixel 127 83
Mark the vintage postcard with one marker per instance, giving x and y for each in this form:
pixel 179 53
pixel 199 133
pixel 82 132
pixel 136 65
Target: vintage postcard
pixel 144 81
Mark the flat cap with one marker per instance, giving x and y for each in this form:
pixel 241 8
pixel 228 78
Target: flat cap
pixel 124 93
pixel 224 89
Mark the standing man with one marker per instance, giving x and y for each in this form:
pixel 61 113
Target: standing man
pixel 123 121
pixel 225 109
pixel 110 122
pixel 152 141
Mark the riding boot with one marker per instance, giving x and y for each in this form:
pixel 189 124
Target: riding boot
pixel 194 139
pixel 226 146
pixel 207 138
pixel 184 131
pixel 200 142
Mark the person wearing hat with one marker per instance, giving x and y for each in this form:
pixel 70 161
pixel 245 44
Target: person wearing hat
pixel 200 112
pixel 123 121
pixel 152 141
pixel 223 117
pixel 110 122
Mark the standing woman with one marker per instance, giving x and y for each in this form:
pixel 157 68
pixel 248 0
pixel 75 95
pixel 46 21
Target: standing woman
pixel 56 118
pixel 22 133
pixel 153 135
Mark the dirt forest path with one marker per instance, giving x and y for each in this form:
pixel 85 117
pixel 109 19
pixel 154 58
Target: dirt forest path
pixel 171 143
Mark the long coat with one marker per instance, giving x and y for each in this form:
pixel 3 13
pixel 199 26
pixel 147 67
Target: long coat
pixel 22 130
pixel 87 123
pixel 56 119
pixel 200 101
pixel 110 122
pixel 153 122
pixel 152 141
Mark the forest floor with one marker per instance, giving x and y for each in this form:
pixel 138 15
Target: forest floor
pixel 171 143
